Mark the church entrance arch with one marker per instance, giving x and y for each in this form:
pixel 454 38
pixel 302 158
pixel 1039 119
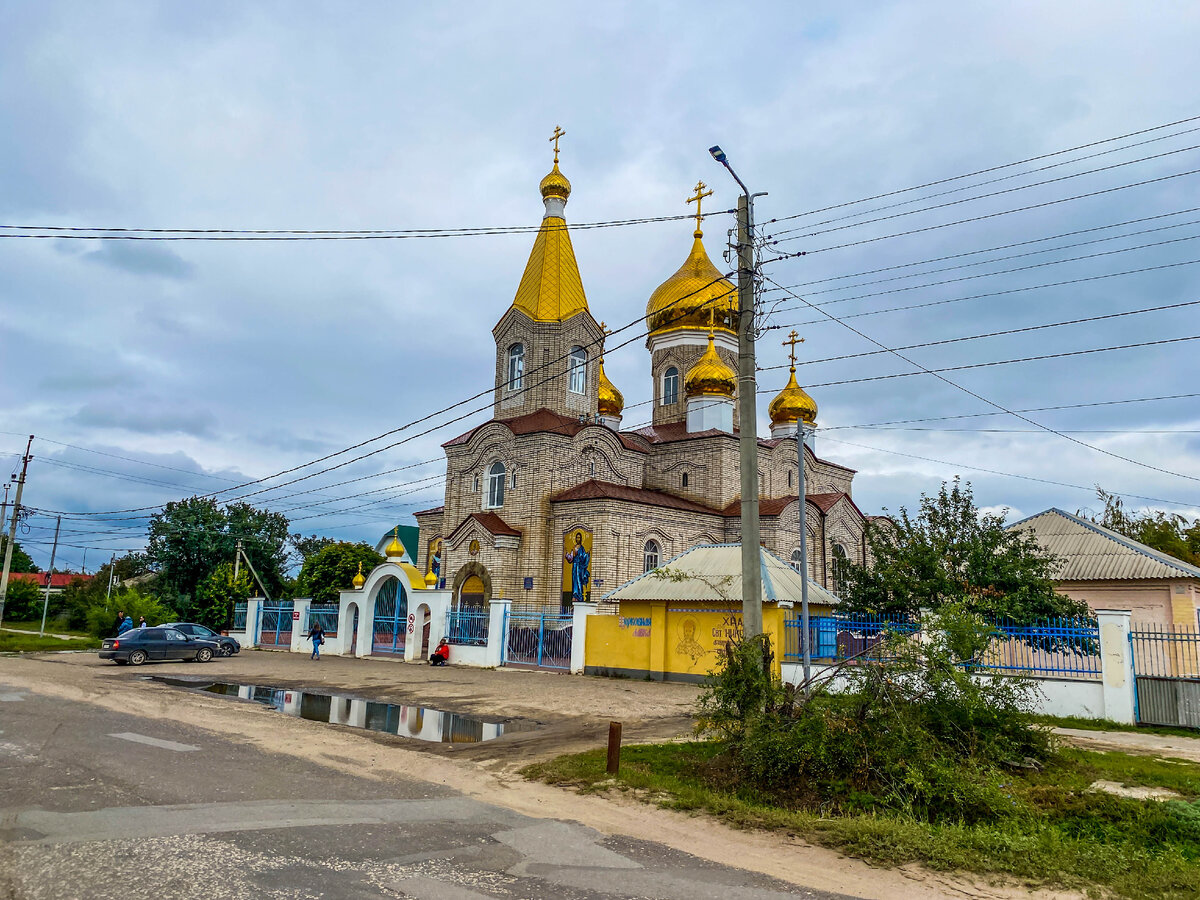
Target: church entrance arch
pixel 391 617
pixel 472 587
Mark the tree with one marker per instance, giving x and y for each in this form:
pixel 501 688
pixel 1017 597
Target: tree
pixel 190 538
pixel 216 595
pixel 332 568
pixel 950 553
pixel 1168 533
pixel 21 561
pixel 24 600
pixel 307 546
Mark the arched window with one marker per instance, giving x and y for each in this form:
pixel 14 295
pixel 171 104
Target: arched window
pixel 578 371
pixel 683 480
pixel 516 367
pixel 592 469
pixel 789 477
pixel 670 386
pixel 840 559
pixel 796 559
pixel 475 484
pixel 514 478
pixel 650 556
pixel 495 489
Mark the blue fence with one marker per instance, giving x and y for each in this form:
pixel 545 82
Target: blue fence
pixel 538 639
pixel 1053 647
pixel 325 615
pixel 239 617
pixel 468 627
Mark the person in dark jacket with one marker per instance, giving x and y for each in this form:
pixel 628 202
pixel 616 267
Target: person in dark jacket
pixel 126 625
pixel 117 624
pixel 316 634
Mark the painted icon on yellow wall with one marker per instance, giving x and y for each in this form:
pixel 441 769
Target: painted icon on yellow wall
pixel 577 566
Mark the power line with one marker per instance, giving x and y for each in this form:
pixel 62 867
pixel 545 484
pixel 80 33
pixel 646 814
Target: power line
pixel 938 375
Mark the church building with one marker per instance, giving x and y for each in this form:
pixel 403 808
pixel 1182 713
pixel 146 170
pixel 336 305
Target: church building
pixel 553 501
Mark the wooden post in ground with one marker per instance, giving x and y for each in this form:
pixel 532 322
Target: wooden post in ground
pixel 614 747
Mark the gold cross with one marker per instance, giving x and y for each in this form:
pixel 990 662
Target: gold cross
pixel 604 331
pixel 791 342
pixel 700 195
pixel 558 132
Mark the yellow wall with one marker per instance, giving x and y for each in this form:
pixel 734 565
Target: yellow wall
pixel 680 644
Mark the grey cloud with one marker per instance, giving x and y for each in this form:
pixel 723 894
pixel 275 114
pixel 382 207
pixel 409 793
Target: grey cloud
pixel 141 259
pixel 148 420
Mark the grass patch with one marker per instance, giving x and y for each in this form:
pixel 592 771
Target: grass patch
pixel 1058 833
pixel 11 642
pixel 1108 725
pixel 51 625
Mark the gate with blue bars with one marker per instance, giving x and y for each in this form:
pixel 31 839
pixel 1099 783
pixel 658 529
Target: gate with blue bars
pixel 325 615
pixel 275 624
pixel 1166 674
pixel 239 616
pixel 538 640
pixel 468 626
pixel 391 618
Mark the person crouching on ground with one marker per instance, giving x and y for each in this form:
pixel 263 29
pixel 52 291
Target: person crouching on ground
pixel 441 653
pixel 316 634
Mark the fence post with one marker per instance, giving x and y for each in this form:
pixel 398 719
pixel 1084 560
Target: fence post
pixel 497 631
pixel 541 637
pixel 300 625
pixel 1116 665
pixel 579 616
pixel 253 621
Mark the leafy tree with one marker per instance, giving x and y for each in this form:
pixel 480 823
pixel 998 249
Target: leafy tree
pixel 1168 533
pixel 215 596
pixel 190 538
pixel 331 569
pixel 24 601
pixel 950 553
pixel 307 546
pixel 80 596
pixel 100 619
pixel 21 561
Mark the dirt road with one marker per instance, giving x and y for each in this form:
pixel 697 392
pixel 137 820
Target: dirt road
pixel 572 712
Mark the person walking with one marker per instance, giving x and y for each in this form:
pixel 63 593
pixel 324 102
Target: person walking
pixel 316 634
pixel 126 625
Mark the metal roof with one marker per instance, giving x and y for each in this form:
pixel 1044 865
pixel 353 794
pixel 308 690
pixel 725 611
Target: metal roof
pixel 1092 552
pixel 715 572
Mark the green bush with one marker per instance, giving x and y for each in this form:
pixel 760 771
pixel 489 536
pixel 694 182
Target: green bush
pixel 101 618
pixel 23 602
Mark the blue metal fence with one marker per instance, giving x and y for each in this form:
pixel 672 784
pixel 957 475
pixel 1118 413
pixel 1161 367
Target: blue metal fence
pixel 325 615
pixel 275 626
pixel 1052 647
pixel 390 622
pixel 239 616
pixel 541 640
pixel 468 626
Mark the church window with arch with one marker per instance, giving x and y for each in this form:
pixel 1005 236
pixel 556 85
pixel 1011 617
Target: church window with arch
pixel 840 558
pixel 789 477
pixel 495 486
pixel 795 563
pixel 578 371
pixel 683 480
pixel 670 386
pixel 516 367
pixel 650 556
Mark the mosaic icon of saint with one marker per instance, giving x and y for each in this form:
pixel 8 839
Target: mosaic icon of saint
pixel 580 561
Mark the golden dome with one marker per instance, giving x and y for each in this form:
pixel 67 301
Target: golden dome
pixel 686 298
pixel 611 403
pixel 792 404
pixel 358 580
pixel 555 185
pixel 710 377
pixel 431 580
pixel 395 548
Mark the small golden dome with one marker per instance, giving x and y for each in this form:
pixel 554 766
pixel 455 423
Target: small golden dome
pixel 358 580
pixel 610 403
pixel 555 185
pixel 431 580
pixel 710 377
pixel 686 298
pixel 792 404
pixel 395 548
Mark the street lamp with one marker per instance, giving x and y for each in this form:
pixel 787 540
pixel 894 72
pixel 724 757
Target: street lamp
pixel 752 622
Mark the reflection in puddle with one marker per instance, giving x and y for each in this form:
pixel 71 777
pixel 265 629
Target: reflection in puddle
pixel 420 722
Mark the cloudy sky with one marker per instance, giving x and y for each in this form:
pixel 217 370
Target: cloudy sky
pixel 152 370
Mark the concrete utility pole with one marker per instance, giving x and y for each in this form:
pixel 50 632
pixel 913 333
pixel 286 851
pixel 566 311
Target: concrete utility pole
pixel 752 621
pixel 50 575
pixel 112 564
pixel 12 528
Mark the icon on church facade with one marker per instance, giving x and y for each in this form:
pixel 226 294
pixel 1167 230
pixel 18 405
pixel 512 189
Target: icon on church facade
pixel 434 561
pixel 577 567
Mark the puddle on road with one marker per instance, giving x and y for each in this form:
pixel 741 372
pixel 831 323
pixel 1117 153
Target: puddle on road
pixel 420 722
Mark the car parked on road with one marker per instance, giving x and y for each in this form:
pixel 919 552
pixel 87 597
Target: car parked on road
pixel 228 646
pixel 159 643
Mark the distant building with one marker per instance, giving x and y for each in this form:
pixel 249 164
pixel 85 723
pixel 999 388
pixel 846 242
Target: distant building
pixel 58 580
pixel 1112 571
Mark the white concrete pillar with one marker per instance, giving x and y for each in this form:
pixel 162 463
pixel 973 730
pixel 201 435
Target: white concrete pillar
pixel 299 632
pixel 579 616
pixel 499 609
pixel 1116 665
pixel 253 620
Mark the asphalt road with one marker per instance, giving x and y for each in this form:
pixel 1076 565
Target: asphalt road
pixel 102 804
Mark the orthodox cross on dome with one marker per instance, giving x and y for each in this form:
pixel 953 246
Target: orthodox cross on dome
pixel 558 133
pixel 700 195
pixel 790 343
pixel 605 331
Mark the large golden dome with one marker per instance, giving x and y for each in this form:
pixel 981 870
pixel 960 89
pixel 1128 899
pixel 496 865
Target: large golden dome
pixel 685 299
pixel 710 377
pixel 610 403
pixel 555 184
pixel 792 404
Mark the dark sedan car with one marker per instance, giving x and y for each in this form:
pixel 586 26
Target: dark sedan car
pixel 140 644
pixel 227 645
